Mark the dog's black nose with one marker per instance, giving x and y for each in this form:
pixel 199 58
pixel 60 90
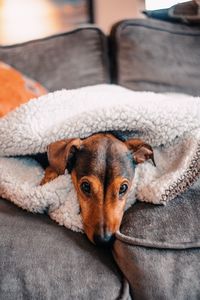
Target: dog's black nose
pixel 104 241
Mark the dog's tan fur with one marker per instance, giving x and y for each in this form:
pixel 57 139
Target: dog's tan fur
pixel 104 163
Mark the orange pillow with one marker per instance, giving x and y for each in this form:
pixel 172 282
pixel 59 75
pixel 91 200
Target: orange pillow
pixel 15 89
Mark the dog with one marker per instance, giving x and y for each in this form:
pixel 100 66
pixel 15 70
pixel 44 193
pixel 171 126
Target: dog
pixel 102 169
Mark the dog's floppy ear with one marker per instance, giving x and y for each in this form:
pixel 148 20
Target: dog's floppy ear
pixel 140 150
pixel 61 154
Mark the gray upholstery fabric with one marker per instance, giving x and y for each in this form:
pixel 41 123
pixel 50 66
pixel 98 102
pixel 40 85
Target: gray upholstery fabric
pixel 70 60
pixel 41 260
pixel 159 248
pixel 157 56
pixel 164 273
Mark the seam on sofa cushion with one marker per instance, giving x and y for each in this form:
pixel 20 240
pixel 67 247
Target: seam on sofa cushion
pixel 53 36
pixel 129 23
pixel 159 245
pixel 122 25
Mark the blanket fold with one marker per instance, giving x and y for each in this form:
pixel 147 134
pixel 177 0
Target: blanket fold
pixel 169 123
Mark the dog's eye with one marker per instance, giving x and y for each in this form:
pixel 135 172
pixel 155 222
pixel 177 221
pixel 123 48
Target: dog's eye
pixel 123 188
pixel 85 187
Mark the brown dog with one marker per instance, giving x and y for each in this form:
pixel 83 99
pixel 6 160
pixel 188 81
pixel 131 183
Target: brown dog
pixel 102 170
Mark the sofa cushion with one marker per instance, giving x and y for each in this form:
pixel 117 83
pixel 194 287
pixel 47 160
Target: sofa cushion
pixel 17 88
pixel 159 248
pixel 69 60
pixel 157 56
pixel 41 260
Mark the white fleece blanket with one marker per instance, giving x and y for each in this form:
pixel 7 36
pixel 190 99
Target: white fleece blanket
pixel 170 123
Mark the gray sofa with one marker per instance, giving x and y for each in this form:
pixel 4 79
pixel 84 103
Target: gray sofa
pixel 157 256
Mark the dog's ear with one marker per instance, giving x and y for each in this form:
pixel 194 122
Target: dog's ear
pixel 140 150
pixel 61 154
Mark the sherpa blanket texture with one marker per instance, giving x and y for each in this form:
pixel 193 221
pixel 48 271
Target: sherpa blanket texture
pixel 169 123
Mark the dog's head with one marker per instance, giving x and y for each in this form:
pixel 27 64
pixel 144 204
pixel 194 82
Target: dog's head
pixel 102 169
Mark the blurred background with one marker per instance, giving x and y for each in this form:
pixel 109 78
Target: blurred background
pixel 23 20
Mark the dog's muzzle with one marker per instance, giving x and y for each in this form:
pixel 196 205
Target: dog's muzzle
pixel 104 241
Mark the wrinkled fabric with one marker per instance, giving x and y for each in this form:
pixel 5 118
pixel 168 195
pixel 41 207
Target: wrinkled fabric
pixel 171 272
pixel 172 130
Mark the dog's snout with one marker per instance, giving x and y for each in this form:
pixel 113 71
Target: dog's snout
pixel 105 241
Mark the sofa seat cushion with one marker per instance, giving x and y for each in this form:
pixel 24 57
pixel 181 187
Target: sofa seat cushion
pixel 157 56
pixel 159 248
pixel 69 60
pixel 41 260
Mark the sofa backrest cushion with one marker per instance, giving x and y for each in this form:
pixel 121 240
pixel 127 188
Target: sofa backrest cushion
pixel 69 60
pixel 157 56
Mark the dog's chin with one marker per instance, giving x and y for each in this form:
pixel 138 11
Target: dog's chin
pixel 90 238
pixel 88 233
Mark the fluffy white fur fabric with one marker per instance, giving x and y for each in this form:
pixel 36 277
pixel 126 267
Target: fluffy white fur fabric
pixel 170 123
